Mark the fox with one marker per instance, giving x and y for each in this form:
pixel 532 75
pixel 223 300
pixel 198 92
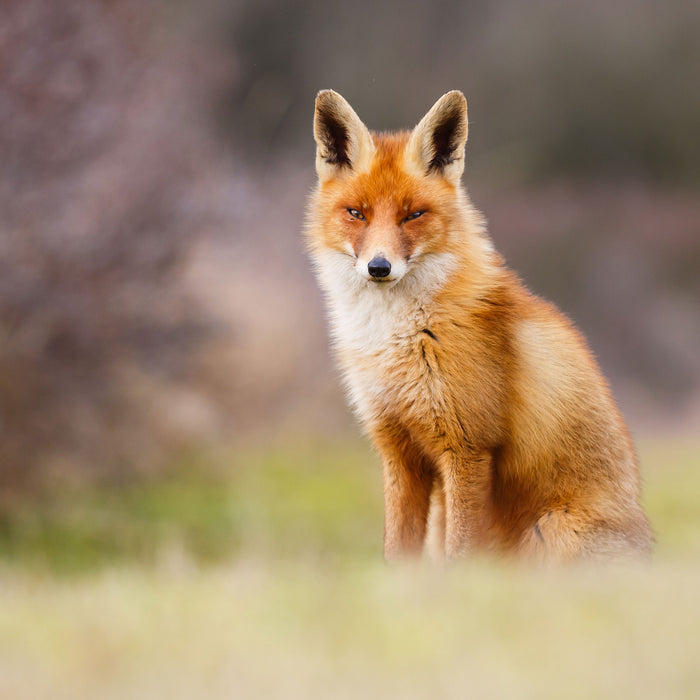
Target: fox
pixel 497 431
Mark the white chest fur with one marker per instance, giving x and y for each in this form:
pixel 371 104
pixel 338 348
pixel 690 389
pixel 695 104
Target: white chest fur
pixel 375 327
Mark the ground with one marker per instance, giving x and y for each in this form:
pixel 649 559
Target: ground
pixel 265 580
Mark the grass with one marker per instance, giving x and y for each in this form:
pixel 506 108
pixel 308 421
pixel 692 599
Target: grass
pixel 261 576
pixel 316 502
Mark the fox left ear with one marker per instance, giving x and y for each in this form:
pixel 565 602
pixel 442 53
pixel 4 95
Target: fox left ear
pixel 437 143
pixel 343 141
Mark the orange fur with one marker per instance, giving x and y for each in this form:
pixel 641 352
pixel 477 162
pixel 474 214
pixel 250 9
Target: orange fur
pixel 481 398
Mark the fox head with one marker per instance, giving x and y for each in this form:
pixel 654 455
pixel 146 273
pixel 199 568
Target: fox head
pixel 387 202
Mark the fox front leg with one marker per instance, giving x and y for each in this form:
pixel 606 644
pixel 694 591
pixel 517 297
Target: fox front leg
pixel 467 488
pixel 407 488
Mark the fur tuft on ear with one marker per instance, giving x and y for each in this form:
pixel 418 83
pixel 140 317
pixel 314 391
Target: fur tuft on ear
pixel 437 143
pixel 343 141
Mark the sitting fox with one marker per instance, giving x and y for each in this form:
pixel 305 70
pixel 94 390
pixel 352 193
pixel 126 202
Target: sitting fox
pixel 490 414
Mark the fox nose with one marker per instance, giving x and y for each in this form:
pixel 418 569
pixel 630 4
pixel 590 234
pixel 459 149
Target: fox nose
pixel 379 266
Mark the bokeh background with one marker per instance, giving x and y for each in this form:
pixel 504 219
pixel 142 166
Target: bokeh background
pixel 171 426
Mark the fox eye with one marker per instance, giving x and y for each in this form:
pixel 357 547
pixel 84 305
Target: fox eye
pixel 414 215
pixel 356 214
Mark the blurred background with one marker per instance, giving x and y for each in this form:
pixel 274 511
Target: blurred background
pixel 156 158
pixel 166 389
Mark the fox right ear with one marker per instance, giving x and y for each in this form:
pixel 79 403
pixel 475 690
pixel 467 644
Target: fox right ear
pixel 343 141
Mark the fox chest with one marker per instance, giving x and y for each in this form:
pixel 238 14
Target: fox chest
pixel 392 368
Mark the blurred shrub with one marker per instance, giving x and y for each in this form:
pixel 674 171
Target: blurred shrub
pixel 99 151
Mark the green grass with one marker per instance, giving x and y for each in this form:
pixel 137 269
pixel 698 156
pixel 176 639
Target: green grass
pixel 671 472
pixel 317 501
pixel 259 574
pixel 307 502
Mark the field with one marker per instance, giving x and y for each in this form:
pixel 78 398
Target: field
pixel 259 574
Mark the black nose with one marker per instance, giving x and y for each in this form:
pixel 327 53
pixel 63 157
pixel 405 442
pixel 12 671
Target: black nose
pixel 379 267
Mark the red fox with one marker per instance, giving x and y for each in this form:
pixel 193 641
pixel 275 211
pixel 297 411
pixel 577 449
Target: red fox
pixel 491 416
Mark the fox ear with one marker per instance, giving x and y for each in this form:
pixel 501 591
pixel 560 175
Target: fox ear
pixel 437 143
pixel 343 141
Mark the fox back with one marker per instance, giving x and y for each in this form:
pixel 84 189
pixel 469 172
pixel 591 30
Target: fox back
pixel 495 426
